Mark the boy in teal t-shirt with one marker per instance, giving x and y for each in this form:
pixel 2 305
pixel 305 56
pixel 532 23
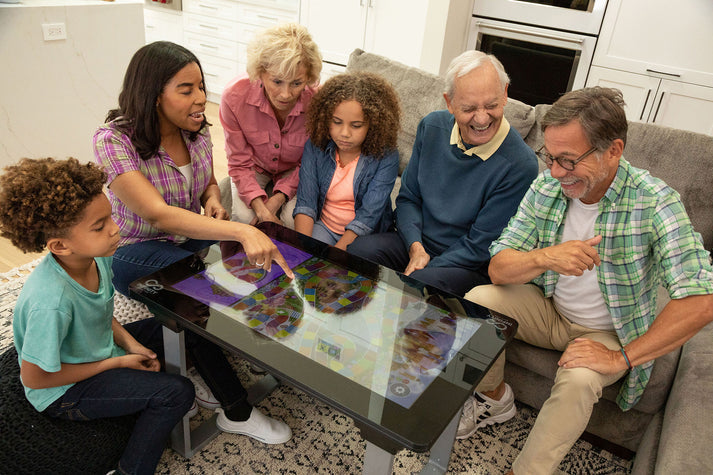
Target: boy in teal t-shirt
pixel 76 361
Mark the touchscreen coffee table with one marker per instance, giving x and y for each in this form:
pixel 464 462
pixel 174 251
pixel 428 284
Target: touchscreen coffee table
pixel 357 336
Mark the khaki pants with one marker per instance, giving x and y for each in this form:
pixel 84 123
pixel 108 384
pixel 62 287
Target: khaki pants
pixel 565 414
pixel 242 213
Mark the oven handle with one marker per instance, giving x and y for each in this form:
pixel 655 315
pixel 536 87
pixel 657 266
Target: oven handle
pixel 548 36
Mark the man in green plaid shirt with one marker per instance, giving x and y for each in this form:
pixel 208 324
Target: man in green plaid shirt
pixel 578 267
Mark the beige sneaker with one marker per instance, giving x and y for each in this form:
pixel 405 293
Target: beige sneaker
pixel 480 411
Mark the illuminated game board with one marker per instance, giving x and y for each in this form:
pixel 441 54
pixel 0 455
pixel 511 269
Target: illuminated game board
pixel 389 341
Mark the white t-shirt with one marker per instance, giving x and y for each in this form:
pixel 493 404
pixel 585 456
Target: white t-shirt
pixel 187 172
pixel 578 298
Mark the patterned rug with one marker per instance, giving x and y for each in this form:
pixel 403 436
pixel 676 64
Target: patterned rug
pixel 324 440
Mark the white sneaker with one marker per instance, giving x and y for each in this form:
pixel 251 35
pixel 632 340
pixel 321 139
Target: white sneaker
pixel 258 426
pixel 204 396
pixel 193 410
pixel 480 411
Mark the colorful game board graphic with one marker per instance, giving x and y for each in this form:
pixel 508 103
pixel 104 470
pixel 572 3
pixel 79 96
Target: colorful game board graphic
pixel 275 310
pixel 333 289
pixel 223 283
pixel 389 341
pixel 422 351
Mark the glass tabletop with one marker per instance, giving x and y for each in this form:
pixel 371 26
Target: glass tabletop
pixel 359 336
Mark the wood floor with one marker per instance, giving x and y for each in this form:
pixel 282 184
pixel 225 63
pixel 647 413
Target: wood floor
pixel 11 257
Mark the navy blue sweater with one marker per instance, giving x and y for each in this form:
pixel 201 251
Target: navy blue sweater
pixel 456 205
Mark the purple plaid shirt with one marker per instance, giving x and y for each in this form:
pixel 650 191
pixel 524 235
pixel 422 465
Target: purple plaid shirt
pixel 115 153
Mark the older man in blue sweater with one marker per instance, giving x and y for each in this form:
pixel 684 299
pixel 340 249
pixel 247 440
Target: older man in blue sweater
pixel 467 174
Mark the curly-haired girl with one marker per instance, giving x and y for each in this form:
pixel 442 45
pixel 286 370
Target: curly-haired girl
pixel 350 161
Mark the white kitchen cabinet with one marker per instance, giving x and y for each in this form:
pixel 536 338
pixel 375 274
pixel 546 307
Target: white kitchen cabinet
pixel 638 89
pixel 385 27
pixel 218 32
pixel 165 25
pixel 658 37
pixel 654 51
pixel 683 106
pixel 659 100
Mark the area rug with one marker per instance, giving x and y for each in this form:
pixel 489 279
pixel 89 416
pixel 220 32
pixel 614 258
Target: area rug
pixel 324 440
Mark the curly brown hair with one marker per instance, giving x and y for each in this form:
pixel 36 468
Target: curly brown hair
pixel 43 198
pixel 378 100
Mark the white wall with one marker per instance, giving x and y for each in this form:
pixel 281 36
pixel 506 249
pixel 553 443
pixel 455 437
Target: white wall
pixel 446 33
pixel 54 94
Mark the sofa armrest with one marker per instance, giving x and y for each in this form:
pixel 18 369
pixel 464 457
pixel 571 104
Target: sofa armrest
pixel 687 431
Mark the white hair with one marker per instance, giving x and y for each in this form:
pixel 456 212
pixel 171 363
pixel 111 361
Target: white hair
pixel 468 61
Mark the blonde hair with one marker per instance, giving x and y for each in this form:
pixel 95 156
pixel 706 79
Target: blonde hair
pixel 281 50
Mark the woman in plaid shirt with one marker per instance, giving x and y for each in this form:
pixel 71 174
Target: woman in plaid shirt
pixel 157 153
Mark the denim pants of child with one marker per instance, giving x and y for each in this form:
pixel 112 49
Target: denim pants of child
pixel 161 398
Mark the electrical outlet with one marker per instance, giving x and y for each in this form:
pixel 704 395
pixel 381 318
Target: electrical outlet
pixel 54 31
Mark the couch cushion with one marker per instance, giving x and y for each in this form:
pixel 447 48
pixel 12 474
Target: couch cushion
pixel 520 115
pixel 421 93
pixel 682 159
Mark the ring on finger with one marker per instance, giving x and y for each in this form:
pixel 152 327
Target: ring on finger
pixel 259 264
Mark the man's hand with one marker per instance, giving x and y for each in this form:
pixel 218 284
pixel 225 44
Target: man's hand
pixel 585 353
pixel 572 257
pixel 418 258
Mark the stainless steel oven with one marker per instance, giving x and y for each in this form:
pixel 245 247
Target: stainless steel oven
pixel 542 64
pixel 166 4
pixel 546 46
pixel 580 16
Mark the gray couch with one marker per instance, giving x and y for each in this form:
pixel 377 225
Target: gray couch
pixel 671 428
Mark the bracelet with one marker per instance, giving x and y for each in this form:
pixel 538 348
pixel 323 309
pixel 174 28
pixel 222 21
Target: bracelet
pixel 626 358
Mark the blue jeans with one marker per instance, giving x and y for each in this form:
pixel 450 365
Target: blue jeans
pixel 324 234
pixel 137 260
pixel 143 258
pixel 161 399
pixel 388 249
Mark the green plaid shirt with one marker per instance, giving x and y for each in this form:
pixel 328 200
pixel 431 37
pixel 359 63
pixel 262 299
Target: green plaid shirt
pixel 647 240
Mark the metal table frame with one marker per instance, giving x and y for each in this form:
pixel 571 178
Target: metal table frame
pixel 188 442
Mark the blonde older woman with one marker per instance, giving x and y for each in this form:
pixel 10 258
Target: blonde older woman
pixel 263 116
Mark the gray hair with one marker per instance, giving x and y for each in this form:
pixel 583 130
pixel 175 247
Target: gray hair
pixel 468 61
pixel 599 110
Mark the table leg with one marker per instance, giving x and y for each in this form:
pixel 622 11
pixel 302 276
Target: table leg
pixel 442 448
pixel 261 389
pixel 184 440
pixel 377 460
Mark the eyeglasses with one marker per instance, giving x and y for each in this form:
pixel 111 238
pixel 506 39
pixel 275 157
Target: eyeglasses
pixel 565 163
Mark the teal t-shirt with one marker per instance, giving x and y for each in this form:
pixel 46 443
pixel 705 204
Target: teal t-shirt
pixel 57 321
